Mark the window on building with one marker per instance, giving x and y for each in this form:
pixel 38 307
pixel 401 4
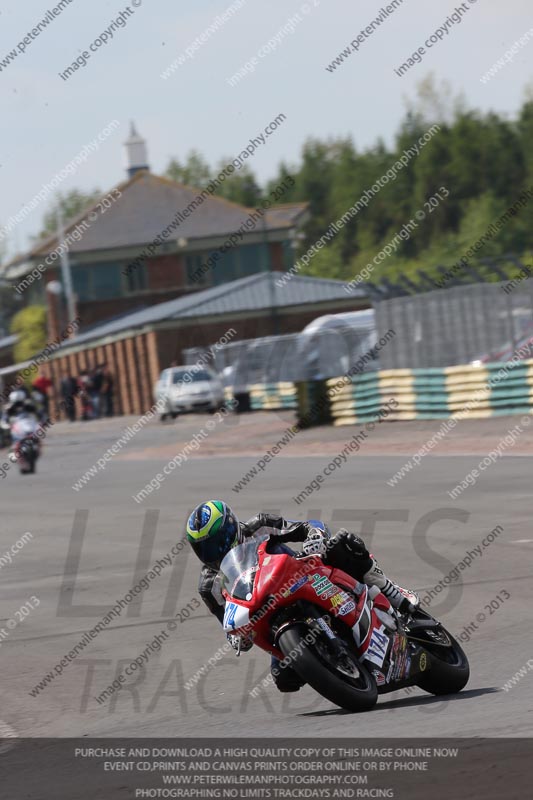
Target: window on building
pixel 106 281
pixel 81 282
pixel 136 279
pixel 198 269
pixel 103 281
pixel 239 262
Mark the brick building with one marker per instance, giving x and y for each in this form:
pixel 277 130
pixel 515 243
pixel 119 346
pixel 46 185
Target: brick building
pixel 143 297
pixel 148 240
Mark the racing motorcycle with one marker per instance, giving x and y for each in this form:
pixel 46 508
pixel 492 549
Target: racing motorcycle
pixel 300 610
pixel 26 444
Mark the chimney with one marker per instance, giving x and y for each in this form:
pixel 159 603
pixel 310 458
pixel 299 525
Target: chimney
pixel 136 152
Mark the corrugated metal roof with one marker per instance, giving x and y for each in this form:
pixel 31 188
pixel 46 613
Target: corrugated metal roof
pixel 8 341
pixel 253 293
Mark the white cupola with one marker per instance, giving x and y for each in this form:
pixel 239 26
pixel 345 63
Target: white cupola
pixel 136 152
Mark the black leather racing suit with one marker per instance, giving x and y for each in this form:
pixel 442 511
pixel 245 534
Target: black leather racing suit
pixel 345 551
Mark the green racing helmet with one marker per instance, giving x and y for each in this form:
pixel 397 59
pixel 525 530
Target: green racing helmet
pixel 212 530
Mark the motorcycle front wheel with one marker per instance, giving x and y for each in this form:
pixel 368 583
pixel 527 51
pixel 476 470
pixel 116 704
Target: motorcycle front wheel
pixel 448 670
pixel 343 681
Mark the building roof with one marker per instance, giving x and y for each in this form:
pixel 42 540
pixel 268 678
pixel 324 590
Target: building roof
pixel 8 341
pixel 253 293
pixel 148 205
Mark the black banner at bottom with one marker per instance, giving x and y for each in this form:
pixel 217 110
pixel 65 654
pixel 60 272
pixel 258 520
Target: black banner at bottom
pixel 119 769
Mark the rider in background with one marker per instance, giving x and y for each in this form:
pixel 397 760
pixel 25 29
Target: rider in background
pixel 19 403
pixel 213 530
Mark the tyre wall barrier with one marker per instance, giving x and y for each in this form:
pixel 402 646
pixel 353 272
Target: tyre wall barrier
pixel 273 396
pixel 471 392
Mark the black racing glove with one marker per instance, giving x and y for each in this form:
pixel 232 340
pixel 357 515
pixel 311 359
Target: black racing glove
pixel 294 532
pixel 288 531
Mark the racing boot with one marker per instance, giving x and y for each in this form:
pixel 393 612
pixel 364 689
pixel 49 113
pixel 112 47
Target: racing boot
pixel 402 599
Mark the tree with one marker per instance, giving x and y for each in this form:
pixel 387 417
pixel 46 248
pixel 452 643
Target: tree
pixel 484 161
pixel 30 326
pixel 194 172
pixel 525 132
pixel 10 303
pixel 9 300
pixel 241 187
pixel 71 204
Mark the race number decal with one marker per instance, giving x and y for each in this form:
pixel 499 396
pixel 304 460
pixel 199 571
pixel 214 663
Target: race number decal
pixel 235 616
pixel 377 647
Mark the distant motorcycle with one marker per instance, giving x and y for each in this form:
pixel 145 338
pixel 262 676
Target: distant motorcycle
pixel 303 611
pixel 26 443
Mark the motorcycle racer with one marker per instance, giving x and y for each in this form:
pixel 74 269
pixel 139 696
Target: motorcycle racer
pixel 213 530
pixel 18 403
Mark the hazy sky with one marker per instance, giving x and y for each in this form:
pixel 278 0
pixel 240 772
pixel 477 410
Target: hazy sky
pixel 46 121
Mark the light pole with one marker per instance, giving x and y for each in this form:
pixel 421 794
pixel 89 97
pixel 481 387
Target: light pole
pixel 65 269
pixel 270 278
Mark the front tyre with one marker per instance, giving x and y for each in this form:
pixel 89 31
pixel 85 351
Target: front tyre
pixel 344 682
pixel 448 669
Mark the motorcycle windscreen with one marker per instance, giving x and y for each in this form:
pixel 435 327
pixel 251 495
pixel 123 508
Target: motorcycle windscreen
pixel 239 568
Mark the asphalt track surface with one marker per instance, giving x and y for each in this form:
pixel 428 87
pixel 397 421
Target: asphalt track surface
pixel 416 530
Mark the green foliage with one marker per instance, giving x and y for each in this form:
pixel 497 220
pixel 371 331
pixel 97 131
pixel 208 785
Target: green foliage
pixel 240 187
pixel 484 160
pixel 10 303
pixel 30 326
pixel 72 203
pixel 194 172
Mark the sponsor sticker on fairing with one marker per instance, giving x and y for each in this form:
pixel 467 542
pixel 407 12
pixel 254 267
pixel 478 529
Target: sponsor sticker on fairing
pixel 346 608
pixel 341 602
pixel 298 584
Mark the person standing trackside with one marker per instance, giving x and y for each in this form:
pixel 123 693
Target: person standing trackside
pixel 69 389
pixel 95 390
pixel 84 388
pixel 42 384
pixel 107 391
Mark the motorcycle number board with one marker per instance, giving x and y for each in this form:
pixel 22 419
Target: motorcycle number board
pixel 235 616
pixel 377 647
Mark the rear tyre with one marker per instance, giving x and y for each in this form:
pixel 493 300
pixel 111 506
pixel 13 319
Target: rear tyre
pixel 448 670
pixel 347 684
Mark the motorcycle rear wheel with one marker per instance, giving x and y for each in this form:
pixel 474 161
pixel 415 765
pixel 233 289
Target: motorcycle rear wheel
pixel 319 666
